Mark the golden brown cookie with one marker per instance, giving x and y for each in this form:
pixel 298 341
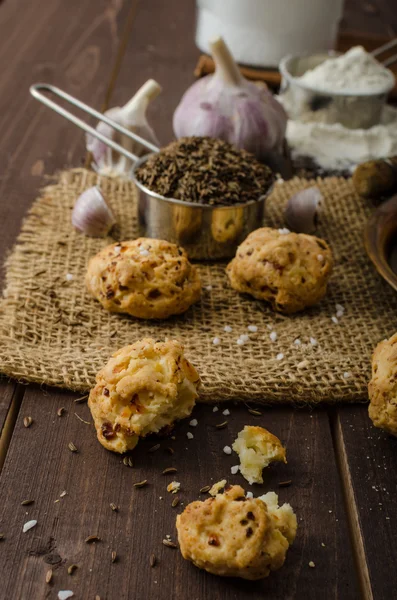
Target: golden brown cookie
pixel 145 278
pixel 288 270
pixel 235 536
pixel 257 448
pixel 383 386
pixel 142 389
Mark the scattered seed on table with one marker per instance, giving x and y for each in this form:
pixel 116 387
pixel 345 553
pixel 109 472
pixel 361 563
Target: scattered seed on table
pixel 72 447
pixel 82 420
pixel 205 489
pixel 63 494
pixel 114 507
pixel 91 539
pixel 170 450
pixel 140 484
pixel 72 568
pixel 254 412
pixel 153 560
pixel 175 502
pixel 114 556
pixel 27 421
pixel 154 448
pixel 60 411
pixel 28 525
pixel 48 576
pixel 169 544
pixel 81 399
pixel 169 470
pixel 27 502
pixel 221 425
pixel 127 461
pixel 285 483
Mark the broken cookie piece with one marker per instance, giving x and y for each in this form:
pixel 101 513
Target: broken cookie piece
pixel 235 536
pixel 257 448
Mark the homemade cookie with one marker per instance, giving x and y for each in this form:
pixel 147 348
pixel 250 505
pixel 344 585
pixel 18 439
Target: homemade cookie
pixel 145 278
pixel 142 389
pixel 383 386
pixel 235 536
pixel 257 448
pixel 288 270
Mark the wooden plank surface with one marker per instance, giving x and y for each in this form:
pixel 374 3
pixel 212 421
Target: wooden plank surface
pixel 369 469
pixel 40 466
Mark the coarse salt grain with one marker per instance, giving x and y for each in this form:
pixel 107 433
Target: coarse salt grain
pixel 284 231
pixel 297 342
pixel 280 356
pixel 339 314
pixel 252 328
pixel 215 409
pixel 65 594
pixel 311 564
pixel 193 423
pixel 347 374
pixel 245 337
pixel 226 412
pixel 208 288
pixel 320 258
pixel 29 525
pixel 216 341
pixel 144 252
pixel 189 435
pixel 313 341
pixel 117 250
pixel 334 320
pixel 228 329
pixel 249 495
pixel 339 307
pixel 235 469
pixel 69 277
pixel 240 342
pixel 227 450
pixel 273 336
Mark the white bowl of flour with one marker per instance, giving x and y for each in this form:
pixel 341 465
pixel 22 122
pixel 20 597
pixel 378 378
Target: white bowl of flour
pixel 350 89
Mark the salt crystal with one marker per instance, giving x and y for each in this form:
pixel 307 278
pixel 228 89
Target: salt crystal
pixel 235 469
pixel 297 342
pixel 252 328
pixel 347 374
pixel 117 250
pixel 28 525
pixel 240 342
pixel 216 341
pixel 215 409
pixel 249 495
pixel 320 258
pixel 313 341
pixel 279 180
pixel 193 423
pixel 339 314
pixel 227 450
pixel 69 277
pixel 284 231
pixel 226 412
pixel 189 435
pixel 334 320
pixel 339 307
pixel 208 288
pixel 245 337
pixel 273 336
pixel 228 329
pixel 144 252
pixel 280 356
pixel 65 594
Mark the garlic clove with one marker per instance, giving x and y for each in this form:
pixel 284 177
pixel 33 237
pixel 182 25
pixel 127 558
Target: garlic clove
pixel 302 210
pixel 132 116
pixel 91 215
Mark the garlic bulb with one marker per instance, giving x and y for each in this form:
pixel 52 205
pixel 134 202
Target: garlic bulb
pixel 302 210
pixel 228 106
pixel 133 117
pixel 91 215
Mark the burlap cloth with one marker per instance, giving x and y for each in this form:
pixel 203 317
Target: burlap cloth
pixel 52 332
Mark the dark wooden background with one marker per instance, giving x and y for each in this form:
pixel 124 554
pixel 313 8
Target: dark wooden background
pixel 343 471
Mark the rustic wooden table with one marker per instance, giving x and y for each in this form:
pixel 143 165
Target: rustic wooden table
pixel 343 472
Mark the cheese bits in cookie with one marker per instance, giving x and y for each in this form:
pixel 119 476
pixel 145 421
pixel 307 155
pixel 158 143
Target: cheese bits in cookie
pixel 383 386
pixel 288 270
pixel 142 389
pixel 235 536
pixel 257 448
pixel 145 278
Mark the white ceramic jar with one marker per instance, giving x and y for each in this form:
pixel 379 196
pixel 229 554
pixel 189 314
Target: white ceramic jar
pixel 261 32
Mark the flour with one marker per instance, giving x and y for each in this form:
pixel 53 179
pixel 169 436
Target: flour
pixel 336 147
pixel 356 71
